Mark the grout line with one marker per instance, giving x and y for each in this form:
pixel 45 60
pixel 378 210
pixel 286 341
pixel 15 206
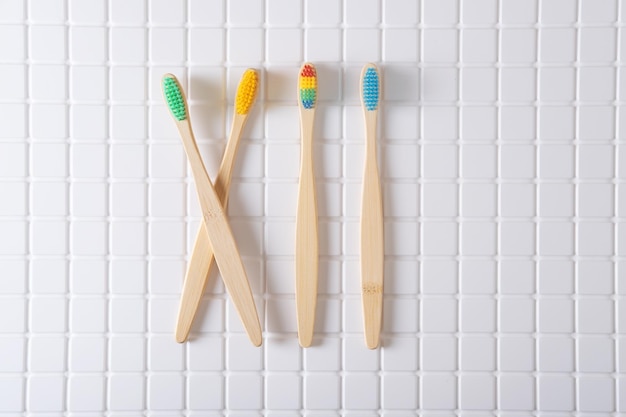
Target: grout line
pixel 498 199
pixel 616 207
pixel 536 195
pixel 459 264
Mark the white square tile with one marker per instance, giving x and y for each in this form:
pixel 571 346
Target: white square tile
pixel 360 392
pixel 49 237
pixel 244 392
pixel 478 353
pixel 401 45
pixel 322 45
pixel 401 13
pixel 48 276
pixel 16 276
pixel 88 122
pixel 517 238
pixel 602 117
pixel 479 45
pixel 438 316
pixel 478 277
pixel 596 161
pixel 439 277
pixel 478 238
pixel 162 314
pixel 283 392
pixel 398 84
pixel 126 392
pixel 206 45
pixel 87 354
pixel 15 49
pixel 12 354
pixel 478 315
pixel 557 84
pixel 438 392
pixel 13 159
pixel 245 46
pixel 128 122
pixel 517 161
pixel 556 277
pixel 323 13
pixel 479 12
pixel 596 238
pixel 438 353
pixel 199 398
pixel 165 392
pixel 595 277
pixel 127 276
pixel 478 123
pixel 48 121
pixel 166 45
pixel 164 12
pixel 439 13
pixel 597 84
pixel 558 12
pixel 555 315
pixel 595 200
pixel 47 43
pixel 440 238
pixel 556 393
pixel 128 161
pixel 13 237
pixel 356 358
pixel 46 315
pixel 165 354
pixel 88 276
pixel 518 200
pixel 517 315
pixel 362 45
pixel 478 84
pixel 401 238
pixel 440 45
pixel 15 202
pixel 88 83
pixel 596 394
pixel 400 161
pixel 127 315
pixel 409 309
pixel 519 84
pixel 284 45
pixel 595 316
pixel 87 315
pixel 516 353
pixel 557 45
pixel 166 161
pixel 128 45
pixel 16 113
pixel 477 392
pixel 440 161
pixel 86 393
pixel 128 83
pixel 88 45
pixel 439 200
pixel 284 13
pixel 322 391
pixel 596 354
pixel 127 353
pixel 47 354
pixel 517 392
pixel 128 199
pixel 93 13
pixel 590 38
pixel 519 13
pixel 478 200
pixel 556 161
pixel 46 393
pixel 478 161
pixel 128 12
pixel 440 123
pixel 47 11
pixel 16 89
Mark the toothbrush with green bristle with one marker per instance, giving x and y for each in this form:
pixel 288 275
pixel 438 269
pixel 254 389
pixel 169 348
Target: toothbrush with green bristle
pixel 372 245
pixel 218 230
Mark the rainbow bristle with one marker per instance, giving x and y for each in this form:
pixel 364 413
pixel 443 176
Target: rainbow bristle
pixel 370 89
pixel 308 86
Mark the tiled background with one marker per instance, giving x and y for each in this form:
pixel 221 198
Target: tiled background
pixel 501 154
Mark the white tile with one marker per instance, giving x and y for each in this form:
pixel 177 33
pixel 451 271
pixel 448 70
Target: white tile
pixel 47 43
pixel 283 354
pixel 438 353
pixel 399 83
pixel 596 161
pixel 478 84
pixel 440 238
pixel 360 391
pixel 478 353
pixel 555 315
pixel 88 122
pixel 46 315
pixel 86 393
pixel 244 392
pixel 519 13
pixel 15 49
pixel 88 199
pixel 557 45
pixel 128 122
pixel 166 45
pixel 87 315
pixel 478 315
pixel 283 392
pixel 127 354
pixel 596 394
pixel 162 314
pixel 478 238
pixel 13 237
pixel 438 392
pixel 128 45
pixel 322 391
pixel 245 46
pixel 165 354
pixel 199 398
pixel 596 354
pixel 556 161
pixel 517 238
pixel 438 13
pixel 439 277
pixel 556 277
pixel 516 353
pixel 166 12
pixel 87 354
pixel 128 238
pixel 47 11
pixel 477 392
pixel 479 12
pixel 126 392
pixel 438 315
pixel 478 200
pixel 400 354
pixel 46 393
pixel 128 199
pixel 362 45
pixel 13 159
pixel 400 161
pixel 127 315
pixel 595 277
pixel 88 276
pixel 517 392
pixel 48 276
pixel 322 45
pixel 558 12
pixel 93 13
pixel 88 83
pixel 440 45
pixel 590 38
pixel 53 117
pixel 556 393
pixel 478 277
pixel 517 315
pixel 284 12
pixel 242 355
pixel 47 354
pixel 401 45
pixel 88 45
pixel 13 389
pixel 17 113
pixel 165 392
pixel 323 13
pixel 284 45
pixel 199 39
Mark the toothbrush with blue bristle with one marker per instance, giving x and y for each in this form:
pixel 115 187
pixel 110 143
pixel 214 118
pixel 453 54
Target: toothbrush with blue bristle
pixel 372 244
pixel 218 230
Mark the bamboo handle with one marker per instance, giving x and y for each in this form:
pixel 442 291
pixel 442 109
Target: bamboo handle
pixel 201 260
pixel 306 239
pixel 221 239
pixel 372 240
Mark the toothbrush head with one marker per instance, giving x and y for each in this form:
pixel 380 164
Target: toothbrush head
pixel 370 87
pixel 246 91
pixel 173 93
pixel 307 83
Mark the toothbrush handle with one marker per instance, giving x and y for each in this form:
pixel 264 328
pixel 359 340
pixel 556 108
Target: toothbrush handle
pixel 372 240
pixel 197 274
pixel 306 239
pixel 221 240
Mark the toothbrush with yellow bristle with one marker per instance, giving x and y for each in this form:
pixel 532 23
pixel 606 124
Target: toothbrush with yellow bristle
pixel 372 246
pixel 215 227
pixel 306 216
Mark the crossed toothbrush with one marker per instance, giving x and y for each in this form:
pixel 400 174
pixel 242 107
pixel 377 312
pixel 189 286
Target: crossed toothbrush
pixel 215 239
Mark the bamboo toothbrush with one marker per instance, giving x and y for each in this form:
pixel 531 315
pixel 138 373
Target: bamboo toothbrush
pixel 306 216
pixel 372 253
pixel 202 255
pixel 218 230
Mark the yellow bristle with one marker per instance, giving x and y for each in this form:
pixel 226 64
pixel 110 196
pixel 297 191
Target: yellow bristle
pixel 246 91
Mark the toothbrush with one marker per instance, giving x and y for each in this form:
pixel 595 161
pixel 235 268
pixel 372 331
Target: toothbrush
pixel 306 216
pixel 372 253
pixel 218 230
pixel 202 255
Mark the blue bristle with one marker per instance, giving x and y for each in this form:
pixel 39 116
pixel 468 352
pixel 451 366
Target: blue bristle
pixel 370 89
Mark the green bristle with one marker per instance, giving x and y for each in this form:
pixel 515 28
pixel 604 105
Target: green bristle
pixel 174 98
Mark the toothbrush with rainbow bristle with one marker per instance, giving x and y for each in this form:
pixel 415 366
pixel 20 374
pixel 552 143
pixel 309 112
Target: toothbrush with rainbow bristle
pixel 218 231
pixel 372 246
pixel 202 256
pixel 306 216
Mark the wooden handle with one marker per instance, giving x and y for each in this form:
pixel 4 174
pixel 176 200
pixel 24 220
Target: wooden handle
pixel 372 240
pixel 199 265
pixel 221 239
pixel 306 238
